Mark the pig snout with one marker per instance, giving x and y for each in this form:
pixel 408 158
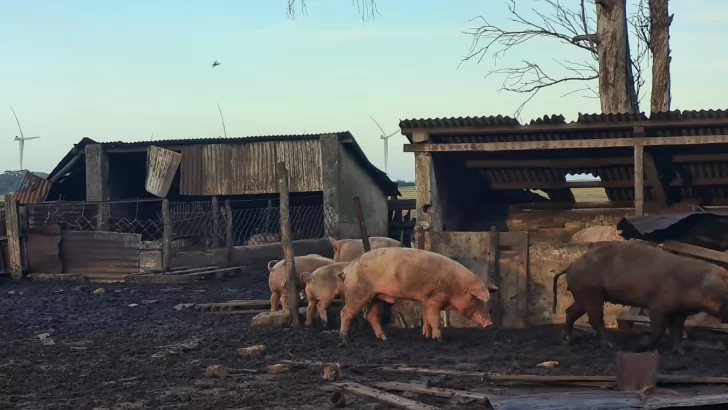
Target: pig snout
pixel 482 320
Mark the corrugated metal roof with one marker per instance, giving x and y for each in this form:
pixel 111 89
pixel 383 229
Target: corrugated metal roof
pixel 457 122
pixel 379 177
pixel 33 189
pixel 162 165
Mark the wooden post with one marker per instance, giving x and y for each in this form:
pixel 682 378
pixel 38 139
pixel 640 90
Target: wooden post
pixel 493 277
pixel 166 236
pixel 287 244
pixel 639 180
pixel 215 222
pixel 362 224
pixel 12 220
pixel 229 229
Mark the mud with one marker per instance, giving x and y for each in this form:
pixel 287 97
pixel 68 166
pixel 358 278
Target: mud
pixel 110 355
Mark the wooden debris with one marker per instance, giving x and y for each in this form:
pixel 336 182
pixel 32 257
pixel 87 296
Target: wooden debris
pixel 627 319
pixel 332 373
pixel 384 397
pixel 432 391
pixel 252 351
pixel 240 307
pixel 661 378
pixel 182 276
pixel 277 369
pixel 217 371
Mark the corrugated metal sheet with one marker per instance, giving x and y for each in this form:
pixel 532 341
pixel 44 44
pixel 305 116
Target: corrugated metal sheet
pixel 33 189
pixel 42 249
pixel 227 169
pixel 107 256
pixel 162 165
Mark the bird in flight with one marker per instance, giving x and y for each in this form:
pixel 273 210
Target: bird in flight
pixel 215 64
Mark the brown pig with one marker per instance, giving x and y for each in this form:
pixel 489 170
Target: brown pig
pixel 439 283
pixel 631 273
pixel 277 276
pixel 596 234
pixel 322 286
pixel 346 250
pixel 263 238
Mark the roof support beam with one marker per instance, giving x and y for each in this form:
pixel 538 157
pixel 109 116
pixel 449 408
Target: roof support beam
pixel 639 180
pixel 548 185
pixel 566 144
pixel 587 162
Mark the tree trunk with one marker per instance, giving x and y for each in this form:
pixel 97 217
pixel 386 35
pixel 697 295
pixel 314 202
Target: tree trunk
pixel 617 92
pixel 660 22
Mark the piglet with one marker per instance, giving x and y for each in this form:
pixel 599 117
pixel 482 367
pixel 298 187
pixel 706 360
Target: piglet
pixel 323 285
pixel 277 276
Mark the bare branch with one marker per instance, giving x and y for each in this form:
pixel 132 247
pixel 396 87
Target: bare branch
pixel 639 21
pixel 367 8
pixel 567 26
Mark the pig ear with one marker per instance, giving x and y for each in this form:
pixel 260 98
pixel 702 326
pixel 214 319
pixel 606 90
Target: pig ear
pixel 492 288
pixel 306 276
pixel 333 242
pixel 342 274
pixel 480 293
pixel 271 264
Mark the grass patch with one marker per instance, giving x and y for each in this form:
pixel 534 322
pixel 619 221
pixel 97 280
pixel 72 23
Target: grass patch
pixel 581 194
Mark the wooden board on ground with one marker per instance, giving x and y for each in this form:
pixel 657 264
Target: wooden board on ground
pixel 640 316
pixel 182 276
pixel 384 397
pixel 243 307
pixel 432 391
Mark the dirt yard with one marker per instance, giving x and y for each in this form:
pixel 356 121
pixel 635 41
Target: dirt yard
pixel 108 354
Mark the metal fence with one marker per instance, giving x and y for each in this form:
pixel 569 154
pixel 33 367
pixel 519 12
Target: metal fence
pixel 198 224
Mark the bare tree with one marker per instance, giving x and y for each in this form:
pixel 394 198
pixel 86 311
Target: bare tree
pixel 659 44
pixel 367 9
pixel 603 35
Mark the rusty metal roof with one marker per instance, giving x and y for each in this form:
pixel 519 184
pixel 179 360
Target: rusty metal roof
pixel 388 186
pixel 591 126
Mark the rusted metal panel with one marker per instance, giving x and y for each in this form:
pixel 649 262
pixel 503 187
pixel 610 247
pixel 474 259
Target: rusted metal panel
pixel 245 169
pixel 162 165
pixel 33 189
pixel 101 255
pixel 42 249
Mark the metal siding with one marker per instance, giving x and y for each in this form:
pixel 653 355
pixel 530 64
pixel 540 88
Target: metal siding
pixel 42 249
pixel 33 189
pixel 162 165
pixel 245 169
pixel 101 255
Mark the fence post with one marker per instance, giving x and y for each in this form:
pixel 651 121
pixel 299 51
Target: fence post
pixel 493 275
pixel 287 244
pixel 229 230
pixel 362 224
pixel 215 222
pixel 166 236
pixel 12 221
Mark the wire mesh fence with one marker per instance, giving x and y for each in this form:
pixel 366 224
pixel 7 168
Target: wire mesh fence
pixel 140 216
pixel 197 224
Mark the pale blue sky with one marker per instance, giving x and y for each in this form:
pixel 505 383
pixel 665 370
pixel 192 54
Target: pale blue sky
pixel 120 70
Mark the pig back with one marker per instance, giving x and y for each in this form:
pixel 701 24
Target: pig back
pixel 596 234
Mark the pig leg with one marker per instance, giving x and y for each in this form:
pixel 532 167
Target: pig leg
pixel 375 310
pixel 676 332
pixel 657 324
pixel 573 313
pixel 274 298
pixel 348 312
pixel 284 300
pixel 309 311
pixel 431 315
pixel 595 311
pixel 322 305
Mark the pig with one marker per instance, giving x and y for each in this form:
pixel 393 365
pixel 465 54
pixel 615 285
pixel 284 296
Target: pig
pixel 597 234
pixel 322 286
pixel 346 250
pixel 263 238
pixel 631 273
pixel 439 283
pixel 277 277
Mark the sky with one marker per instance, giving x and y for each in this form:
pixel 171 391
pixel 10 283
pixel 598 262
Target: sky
pixel 127 70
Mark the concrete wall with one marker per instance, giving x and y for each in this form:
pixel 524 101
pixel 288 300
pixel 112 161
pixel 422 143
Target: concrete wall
pixel 354 181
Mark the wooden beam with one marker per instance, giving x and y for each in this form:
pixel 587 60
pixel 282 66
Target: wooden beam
pixel 587 162
pixel 639 180
pixel 566 144
pixel 287 244
pixel 699 251
pixel 547 185
pixel 12 223
pixel 384 397
pixel 166 236
pixel 658 189
pixel 562 128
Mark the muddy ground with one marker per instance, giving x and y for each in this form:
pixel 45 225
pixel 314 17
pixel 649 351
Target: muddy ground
pixel 110 355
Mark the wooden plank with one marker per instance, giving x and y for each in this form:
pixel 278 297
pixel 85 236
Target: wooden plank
pixel 12 223
pixel 699 251
pixel 574 126
pixel 639 181
pixel 652 175
pixel 229 229
pixel 362 224
pixel 628 319
pixel 384 397
pixel 523 284
pixel 493 276
pixel 544 185
pixel 566 144
pixel 432 391
pixel 567 163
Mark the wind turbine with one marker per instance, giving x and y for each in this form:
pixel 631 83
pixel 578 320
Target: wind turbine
pixel 21 140
pixel 385 137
